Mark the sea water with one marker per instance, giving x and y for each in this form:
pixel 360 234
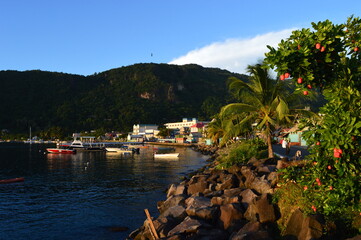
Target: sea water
pixel 84 195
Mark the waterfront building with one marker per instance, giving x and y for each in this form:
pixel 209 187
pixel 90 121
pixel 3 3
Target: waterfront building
pixel 143 132
pixel 186 123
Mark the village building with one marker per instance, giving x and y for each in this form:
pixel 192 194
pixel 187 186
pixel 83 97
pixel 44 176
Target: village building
pixel 143 132
pixel 185 123
pixel 189 130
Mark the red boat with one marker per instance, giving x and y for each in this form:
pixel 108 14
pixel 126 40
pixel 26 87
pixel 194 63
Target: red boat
pixel 13 180
pixel 61 150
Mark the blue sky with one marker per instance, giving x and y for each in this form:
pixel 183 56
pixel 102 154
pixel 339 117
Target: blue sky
pixel 88 36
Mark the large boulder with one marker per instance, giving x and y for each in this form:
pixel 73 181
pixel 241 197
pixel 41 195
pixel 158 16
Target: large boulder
pixel 229 215
pixel 265 209
pixel 177 212
pixel 263 169
pixel 172 201
pixel 261 185
pixel 212 194
pixel 198 178
pixel 206 213
pixel 197 202
pixel 189 225
pixel 225 200
pixel 303 227
pixel 198 187
pixel 251 213
pixel 163 225
pixel 176 190
pixel 232 192
pixel 251 231
pixel 248 196
pixel 261 209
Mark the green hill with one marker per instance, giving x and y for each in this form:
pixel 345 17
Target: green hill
pixel 112 100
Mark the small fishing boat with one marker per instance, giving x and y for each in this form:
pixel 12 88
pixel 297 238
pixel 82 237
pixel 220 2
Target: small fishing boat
pixel 61 150
pixel 166 155
pixel 119 150
pixel 12 180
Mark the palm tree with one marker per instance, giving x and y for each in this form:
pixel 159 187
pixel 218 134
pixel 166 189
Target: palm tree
pixel 215 130
pixel 263 100
pixel 224 129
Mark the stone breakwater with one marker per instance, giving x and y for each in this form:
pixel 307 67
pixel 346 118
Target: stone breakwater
pixel 233 204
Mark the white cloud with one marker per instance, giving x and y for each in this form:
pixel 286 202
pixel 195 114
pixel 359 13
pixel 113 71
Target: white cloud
pixel 233 54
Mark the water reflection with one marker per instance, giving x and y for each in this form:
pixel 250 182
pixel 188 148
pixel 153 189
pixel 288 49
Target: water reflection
pixel 73 196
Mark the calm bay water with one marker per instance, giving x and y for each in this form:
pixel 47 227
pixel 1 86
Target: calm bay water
pixel 82 196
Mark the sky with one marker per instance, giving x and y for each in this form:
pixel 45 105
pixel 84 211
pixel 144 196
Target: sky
pixel 91 36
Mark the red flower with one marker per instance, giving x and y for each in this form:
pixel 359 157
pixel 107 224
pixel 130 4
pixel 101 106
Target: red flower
pixel 314 208
pixel 337 152
pixel 305 188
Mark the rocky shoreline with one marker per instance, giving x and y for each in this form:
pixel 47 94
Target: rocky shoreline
pixel 234 204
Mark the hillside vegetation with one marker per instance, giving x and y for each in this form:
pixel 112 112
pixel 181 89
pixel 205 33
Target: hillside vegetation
pixel 111 100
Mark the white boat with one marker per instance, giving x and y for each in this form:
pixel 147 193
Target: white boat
pixel 83 143
pixel 119 150
pixel 166 155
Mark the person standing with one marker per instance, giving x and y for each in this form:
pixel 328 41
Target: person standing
pixel 286 144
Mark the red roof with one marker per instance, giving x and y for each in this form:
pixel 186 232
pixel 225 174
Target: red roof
pixel 198 125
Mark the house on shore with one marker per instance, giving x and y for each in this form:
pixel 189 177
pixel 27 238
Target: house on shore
pixel 143 132
pixel 295 136
pixel 189 130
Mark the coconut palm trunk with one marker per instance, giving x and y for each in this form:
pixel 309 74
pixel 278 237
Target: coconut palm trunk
pixel 270 149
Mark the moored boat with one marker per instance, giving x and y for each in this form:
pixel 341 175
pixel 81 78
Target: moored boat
pixel 12 180
pixel 61 150
pixel 119 150
pixel 83 143
pixel 166 155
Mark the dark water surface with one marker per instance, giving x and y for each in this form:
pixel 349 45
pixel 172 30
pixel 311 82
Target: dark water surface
pixel 83 195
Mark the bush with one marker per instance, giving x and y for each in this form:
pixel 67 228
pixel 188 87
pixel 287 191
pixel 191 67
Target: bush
pixel 240 153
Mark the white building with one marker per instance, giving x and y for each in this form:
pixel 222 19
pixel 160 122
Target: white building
pixel 142 129
pixel 143 132
pixel 186 123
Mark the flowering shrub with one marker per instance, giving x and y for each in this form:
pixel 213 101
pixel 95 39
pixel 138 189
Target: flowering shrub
pixel 328 59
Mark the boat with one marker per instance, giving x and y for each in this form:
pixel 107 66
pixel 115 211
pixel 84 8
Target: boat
pixel 83 143
pixel 12 180
pixel 166 155
pixel 119 150
pixel 164 148
pixel 61 150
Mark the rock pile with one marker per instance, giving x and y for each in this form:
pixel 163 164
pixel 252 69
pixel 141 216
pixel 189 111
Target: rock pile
pixel 233 204
pixel 205 149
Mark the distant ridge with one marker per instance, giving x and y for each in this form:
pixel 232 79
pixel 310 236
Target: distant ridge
pixel 110 100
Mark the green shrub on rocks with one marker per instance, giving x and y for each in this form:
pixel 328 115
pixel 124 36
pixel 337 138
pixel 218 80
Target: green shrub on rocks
pixel 241 152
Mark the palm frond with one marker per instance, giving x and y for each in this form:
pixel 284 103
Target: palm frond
pixel 236 108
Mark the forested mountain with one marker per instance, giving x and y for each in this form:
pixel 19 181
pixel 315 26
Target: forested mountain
pixel 112 100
